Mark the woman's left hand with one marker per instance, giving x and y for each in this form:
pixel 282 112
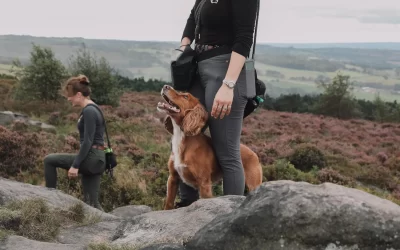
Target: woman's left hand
pixel 73 172
pixel 222 102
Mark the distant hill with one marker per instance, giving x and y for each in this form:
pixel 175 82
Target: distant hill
pixel 286 68
pixel 386 46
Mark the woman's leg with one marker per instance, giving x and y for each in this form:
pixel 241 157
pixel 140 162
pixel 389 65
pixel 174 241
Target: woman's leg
pixel 226 132
pixel 92 169
pixel 91 190
pixel 54 161
pixel 188 194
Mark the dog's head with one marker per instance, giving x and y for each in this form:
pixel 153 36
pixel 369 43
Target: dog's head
pixel 185 109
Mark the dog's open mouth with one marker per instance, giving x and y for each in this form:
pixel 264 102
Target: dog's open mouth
pixel 168 105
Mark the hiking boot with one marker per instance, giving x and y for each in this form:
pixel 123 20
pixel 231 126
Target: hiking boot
pixel 184 203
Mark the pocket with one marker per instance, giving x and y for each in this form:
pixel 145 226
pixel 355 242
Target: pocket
pixel 94 163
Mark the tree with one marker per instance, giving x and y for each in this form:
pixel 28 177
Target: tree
pixel 337 100
pixel 41 79
pixel 103 78
pixel 381 110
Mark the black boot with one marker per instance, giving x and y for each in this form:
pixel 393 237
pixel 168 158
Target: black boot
pixel 184 203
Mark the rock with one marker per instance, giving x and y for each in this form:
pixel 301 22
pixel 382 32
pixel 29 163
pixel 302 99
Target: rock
pixel 8 117
pixel 298 216
pixel 21 243
pixel 42 125
pixel 164 247
pixel 101 232
pixel 15 191
pixel 173 226
pixel 131 211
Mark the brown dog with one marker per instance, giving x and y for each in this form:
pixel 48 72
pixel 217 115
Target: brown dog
pixel 192 158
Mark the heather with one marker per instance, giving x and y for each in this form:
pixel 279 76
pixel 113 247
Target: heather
pixel 300 147
pixel 331 145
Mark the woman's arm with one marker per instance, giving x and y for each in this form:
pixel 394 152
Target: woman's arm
pixel 89 114
pixel 244 15
pixel 188 32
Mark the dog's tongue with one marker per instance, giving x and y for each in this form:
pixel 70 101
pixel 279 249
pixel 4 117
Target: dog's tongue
pixel 167 106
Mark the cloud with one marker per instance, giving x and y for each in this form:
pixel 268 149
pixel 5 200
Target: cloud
pixel 380 16
pixel 367 16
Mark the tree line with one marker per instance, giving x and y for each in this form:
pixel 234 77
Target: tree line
pixel 41 79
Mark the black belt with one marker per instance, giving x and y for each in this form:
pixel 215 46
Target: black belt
pixel 208 51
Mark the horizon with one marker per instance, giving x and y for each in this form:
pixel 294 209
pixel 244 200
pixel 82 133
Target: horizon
pixel 280 22
pixel 166 41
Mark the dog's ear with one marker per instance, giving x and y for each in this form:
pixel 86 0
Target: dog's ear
pixel 168 125
pixel 194 120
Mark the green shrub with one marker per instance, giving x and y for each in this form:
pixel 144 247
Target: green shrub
pixel 333 176
pixel 284 170
pixel 306 156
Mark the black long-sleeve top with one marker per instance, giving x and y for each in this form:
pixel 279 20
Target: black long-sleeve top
pixel 91 129
pixel 228 22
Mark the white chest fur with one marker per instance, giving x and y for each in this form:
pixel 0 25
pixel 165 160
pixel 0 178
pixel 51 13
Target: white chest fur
pixel 176 143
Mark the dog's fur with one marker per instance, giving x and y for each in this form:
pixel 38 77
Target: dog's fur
pixel 192 158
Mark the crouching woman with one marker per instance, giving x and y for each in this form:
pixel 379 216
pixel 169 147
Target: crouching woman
pixel 90 160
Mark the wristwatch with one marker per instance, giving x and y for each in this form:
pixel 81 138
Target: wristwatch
pixel 230 84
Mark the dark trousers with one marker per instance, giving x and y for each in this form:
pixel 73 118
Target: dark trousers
pixel 226 132
pixel 91 170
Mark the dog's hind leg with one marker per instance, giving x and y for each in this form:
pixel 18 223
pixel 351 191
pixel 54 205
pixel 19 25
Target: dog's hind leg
pixel 205 189
pixel 172 185
pixel 253 173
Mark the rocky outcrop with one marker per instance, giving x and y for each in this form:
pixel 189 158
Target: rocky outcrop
pixel 174 226
pixel 278 215
pixel 297 215
pixel 131 211
pixel 16 191
pixel 8 117
pixel 21 243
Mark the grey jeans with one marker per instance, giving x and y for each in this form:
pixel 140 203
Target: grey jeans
pixel 91 170
pixel 225 132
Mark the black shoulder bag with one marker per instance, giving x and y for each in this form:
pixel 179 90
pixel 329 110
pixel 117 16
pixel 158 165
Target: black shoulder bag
pixel 111 159
pixel 184 68
pixel 254 103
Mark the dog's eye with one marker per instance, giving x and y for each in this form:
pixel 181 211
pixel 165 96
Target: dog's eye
pixel 185 96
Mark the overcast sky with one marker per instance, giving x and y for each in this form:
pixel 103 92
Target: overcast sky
pixel 281 21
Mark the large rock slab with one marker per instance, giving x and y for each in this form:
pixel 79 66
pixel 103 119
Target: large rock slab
pixel 173 226
pixel 21 243
pixel 101 232
pixel 131 211
pixel 16 191
pixel 298 216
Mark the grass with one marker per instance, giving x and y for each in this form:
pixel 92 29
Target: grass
pixel 310 86
pixel 33 219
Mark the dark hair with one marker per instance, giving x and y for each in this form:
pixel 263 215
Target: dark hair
pixel 77 84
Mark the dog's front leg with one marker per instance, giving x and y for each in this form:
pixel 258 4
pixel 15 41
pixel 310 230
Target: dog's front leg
pixel 172 186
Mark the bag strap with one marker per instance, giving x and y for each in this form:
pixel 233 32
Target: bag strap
pixel 255 31
pixel 197 14
pixel 104 122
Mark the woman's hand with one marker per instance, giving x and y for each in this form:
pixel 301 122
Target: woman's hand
pixel 222 102
pixel 72 172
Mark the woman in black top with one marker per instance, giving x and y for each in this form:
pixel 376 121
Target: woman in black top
pixel 223 41
pixel 90 160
